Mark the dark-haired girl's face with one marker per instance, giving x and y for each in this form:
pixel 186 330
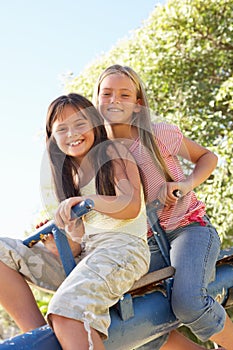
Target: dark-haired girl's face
pixel 73 133
pixel 118 99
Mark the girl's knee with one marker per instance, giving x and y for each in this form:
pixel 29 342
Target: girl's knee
pixel 189 307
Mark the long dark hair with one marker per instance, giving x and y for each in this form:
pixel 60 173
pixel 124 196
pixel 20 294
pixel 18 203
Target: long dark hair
pixel 64 169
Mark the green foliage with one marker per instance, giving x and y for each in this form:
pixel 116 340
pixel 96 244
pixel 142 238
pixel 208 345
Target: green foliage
pixel 42 298
pixel 184 55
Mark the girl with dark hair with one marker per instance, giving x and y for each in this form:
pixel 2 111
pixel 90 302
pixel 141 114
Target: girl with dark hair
pixel 85 164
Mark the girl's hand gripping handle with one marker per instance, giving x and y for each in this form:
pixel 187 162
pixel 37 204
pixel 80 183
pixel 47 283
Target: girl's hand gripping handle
pixel 77 212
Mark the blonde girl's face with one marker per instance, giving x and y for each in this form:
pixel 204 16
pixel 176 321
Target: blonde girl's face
pixel 73 133
pixel 117 99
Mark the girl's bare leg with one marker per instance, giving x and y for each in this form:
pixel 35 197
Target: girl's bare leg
pixel 225 337
pixel 72 334
pixel 178 341
pixel 17 299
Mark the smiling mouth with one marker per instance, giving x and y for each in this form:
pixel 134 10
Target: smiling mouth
pixel 114 110
pixel 75 143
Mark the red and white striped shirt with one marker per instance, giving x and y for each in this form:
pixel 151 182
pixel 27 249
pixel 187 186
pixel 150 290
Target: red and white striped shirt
pixel 188 208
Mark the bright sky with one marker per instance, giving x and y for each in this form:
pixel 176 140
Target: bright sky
pixel 39 42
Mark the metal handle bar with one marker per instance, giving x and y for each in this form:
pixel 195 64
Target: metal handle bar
pixel 60 238
pixel 158 231
pixel 77 211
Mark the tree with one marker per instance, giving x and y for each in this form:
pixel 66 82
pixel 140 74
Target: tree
pixel 184 54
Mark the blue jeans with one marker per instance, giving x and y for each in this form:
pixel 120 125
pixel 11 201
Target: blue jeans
pixel 194 251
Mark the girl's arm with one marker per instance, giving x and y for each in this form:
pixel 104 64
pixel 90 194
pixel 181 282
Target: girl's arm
pixel 125 204
pixel 75 230
pixel 205 162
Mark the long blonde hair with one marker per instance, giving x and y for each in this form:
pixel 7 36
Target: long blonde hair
pixel 141 120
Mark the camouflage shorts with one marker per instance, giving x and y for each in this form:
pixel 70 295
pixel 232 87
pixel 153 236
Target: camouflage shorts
pixel 109 267
pixel 36 264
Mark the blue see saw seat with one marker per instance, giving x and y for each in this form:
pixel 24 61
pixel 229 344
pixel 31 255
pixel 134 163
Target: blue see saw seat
pixel 144 314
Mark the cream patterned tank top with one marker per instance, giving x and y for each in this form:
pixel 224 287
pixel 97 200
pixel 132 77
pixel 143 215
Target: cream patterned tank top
pixel 96 222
